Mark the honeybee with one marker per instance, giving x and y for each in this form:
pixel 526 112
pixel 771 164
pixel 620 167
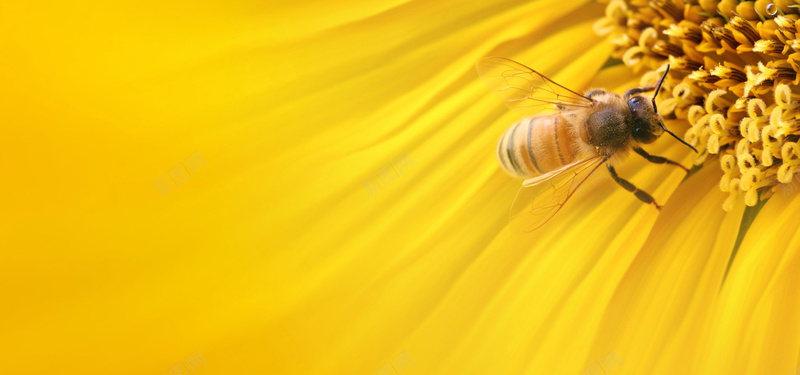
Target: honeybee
pixel 557 152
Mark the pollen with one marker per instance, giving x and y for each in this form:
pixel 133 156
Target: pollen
pixel 734 79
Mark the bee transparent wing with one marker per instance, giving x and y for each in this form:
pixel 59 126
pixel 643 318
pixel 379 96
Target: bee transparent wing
pixel 540 198
pixel 521 87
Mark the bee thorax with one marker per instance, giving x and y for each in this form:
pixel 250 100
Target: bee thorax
pixel 607 128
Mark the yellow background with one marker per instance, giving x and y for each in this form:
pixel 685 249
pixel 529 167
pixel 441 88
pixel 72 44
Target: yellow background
pixel 272 258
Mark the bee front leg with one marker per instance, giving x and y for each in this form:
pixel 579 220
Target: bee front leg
pixel 658 159
pixel 638 90
pixel 641 194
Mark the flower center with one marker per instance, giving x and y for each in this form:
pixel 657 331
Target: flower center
pixel 734 79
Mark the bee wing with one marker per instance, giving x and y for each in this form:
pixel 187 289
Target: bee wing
pixel 540 198
pixel 522 87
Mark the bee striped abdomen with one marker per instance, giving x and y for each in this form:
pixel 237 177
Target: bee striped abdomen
pixel 536 145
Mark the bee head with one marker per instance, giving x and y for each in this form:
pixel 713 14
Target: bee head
pixel 647 123
pixel 646 120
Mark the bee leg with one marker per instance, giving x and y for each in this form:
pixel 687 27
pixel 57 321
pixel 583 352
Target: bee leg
pixel 658 159
pixel 589 95
pixel 638 90
pixel 641 194
pixel 595 92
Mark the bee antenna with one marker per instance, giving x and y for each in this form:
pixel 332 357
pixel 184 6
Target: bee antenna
pixel 676 137
pixel 656 110
pixel 660 81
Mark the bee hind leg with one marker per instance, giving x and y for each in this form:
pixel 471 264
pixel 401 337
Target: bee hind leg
pixel 658 159
pixel 641 194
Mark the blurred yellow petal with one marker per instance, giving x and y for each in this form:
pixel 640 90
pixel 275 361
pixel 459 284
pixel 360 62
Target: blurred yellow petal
pixel 311 188
pixel 442 201
pixel 692 326
pixel 664 299
pixel 755 326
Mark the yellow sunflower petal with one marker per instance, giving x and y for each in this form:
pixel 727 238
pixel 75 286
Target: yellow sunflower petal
pixel 754 326
pixel 273 257
pixel 664 300
pixel 444 210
